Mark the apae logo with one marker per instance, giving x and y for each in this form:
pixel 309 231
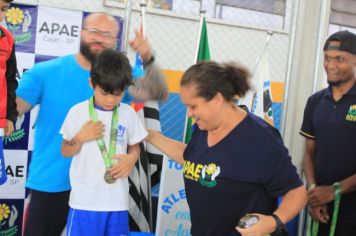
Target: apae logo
pixel 53 32
pixel 7 220
pixel 18 22
pixel 19 132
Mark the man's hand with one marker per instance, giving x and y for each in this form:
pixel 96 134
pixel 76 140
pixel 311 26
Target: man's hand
pixel 319 213
pixel 321 195
pixel 90 131
pixel 139 44
pixel 9 128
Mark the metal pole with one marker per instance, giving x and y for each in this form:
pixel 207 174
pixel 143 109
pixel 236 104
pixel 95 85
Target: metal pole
pixel 143 6
pixel 128 11
pixel 258 59
pixel 293 31
pixel 202 16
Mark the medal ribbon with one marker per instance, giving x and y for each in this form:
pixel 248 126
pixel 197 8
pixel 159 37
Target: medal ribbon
pixel 107 156
pixel 313 226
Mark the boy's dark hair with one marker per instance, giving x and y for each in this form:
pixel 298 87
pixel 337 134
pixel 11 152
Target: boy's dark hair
pixel 8 1
pixel 111 71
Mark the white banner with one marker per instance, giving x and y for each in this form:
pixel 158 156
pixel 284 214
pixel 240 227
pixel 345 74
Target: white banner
pixel 16 169
pixel 58 31
pixel 173 216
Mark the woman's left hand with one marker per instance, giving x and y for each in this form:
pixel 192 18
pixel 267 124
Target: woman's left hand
pixel 265 226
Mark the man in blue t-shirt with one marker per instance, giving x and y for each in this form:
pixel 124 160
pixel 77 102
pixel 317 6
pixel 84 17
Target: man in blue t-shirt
pixel 329 126
pixel 56 86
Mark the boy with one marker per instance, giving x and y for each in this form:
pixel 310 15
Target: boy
pixel 8 85
pixel 97 133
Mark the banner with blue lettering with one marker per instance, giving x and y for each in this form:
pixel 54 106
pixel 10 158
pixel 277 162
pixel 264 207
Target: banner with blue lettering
pixel 173 216
pixel 40 33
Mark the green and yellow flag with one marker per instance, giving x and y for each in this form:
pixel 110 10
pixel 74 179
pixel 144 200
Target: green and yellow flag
pixel 202 55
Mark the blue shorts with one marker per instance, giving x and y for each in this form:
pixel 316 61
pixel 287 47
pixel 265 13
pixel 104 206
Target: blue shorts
pixel 97 223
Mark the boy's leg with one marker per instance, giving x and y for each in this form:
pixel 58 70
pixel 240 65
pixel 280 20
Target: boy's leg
pixel 3 176
pixel 47 213
pixel 118 224
pixel 82 222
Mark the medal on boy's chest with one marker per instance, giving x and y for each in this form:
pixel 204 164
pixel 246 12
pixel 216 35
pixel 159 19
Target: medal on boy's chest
pixel 107 156
pixel 108 177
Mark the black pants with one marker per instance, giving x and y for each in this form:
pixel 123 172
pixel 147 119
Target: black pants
pixel 47 213
pixel 342 229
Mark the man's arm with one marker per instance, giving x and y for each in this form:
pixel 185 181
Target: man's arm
pixel 322 195
pixel 152 86
pixel 319 212
pixel 308 162
pixel 22 106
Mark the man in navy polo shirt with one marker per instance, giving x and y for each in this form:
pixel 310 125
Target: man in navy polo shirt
pixel 329 126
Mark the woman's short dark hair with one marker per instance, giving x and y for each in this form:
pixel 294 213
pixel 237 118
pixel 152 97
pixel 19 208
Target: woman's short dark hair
pixel 211 78
pixel 111 71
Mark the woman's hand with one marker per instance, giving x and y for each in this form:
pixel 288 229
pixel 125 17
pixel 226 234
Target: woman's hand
pixel 265 226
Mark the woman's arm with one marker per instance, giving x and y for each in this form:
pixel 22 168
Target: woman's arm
pixel 292 203
pixel 172 148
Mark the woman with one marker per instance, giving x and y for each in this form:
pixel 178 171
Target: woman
pixel 235 162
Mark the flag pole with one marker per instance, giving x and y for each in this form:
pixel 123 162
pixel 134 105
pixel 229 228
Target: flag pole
pixel 143 6
pixel 128 11
pixel 202 16
pixel 258 60
pixel 269 36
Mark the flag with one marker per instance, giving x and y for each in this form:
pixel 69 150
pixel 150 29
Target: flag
pixel 202 55
pixel 262 100
pixel 147 171
pixel 139 191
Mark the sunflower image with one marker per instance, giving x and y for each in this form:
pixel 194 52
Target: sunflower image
pixel 4 212
pixel 211 169
pixel 14 15
pixel 353 109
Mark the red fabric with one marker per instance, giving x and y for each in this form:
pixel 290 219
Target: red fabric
pixel 6 44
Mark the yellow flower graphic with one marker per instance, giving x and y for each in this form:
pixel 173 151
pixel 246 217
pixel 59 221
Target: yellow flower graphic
pixel 4 211
pixel 14 15
pixel 211 169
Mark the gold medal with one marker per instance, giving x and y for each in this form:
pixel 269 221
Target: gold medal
pixel 109 178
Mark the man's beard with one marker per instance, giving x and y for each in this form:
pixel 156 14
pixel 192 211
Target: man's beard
pixel 85 51
pixel 339 82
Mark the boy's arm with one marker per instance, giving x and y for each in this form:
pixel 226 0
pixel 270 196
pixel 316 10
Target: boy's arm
pixel 90 131
pixel 11 82
pixel 126 162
